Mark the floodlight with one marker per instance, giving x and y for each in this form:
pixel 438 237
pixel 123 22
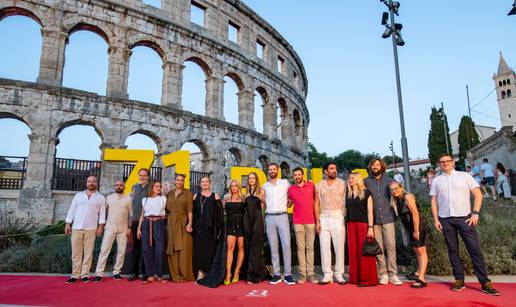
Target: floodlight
pixel 385 18
pixel 399 40
pixel 387 33
pixel 513 10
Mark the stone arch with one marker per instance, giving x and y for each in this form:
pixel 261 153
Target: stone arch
pixel 152 135
pixel 282 118
pixel 83 26
pixel 262 162
pixel 237 153
pixel 144 41
pixel 80 122
pixel 285 169
pixel 18 11
pixel 298 127
pixel 9 115
pixel 201 63
pixel 203 147
pixel 236 78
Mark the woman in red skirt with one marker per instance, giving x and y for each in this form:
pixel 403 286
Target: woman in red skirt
pixel 359 220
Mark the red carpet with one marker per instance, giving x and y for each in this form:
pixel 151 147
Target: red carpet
pixel 52 291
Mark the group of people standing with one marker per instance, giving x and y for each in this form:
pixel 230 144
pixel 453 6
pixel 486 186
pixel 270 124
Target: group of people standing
pixel 200 244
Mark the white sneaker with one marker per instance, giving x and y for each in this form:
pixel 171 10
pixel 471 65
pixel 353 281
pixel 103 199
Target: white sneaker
pixel 393 279
pixel 340 280
pixel 384 279
pixel 494 198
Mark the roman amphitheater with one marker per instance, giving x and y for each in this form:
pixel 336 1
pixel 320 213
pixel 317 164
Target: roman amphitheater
pixel 260 62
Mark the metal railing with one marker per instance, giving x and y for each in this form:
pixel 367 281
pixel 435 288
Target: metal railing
pixel 13 170
pixel 156 172
pixel 195 178
pixel 71 174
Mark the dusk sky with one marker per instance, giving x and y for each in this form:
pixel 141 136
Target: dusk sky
pixel 351 86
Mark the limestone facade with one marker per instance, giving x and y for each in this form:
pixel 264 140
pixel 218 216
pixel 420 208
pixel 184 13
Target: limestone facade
pixel 47 107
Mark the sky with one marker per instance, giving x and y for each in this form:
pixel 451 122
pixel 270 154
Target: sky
pixel 351 83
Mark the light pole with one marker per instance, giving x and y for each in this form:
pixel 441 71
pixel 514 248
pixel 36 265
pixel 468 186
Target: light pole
pixel 443 115
pixel 393 30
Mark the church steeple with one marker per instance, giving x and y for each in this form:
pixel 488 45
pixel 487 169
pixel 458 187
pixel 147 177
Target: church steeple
pixel 503 68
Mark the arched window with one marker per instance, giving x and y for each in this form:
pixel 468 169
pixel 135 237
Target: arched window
pixel 142 140
pixel 503 94
pixel 260 99
pixel 14 151
pixel 87 63
pixel 145 74
pixel 262 163
pixel 500 83
pixel 193 97
pixel 231 100
pixel 508 81
pixel 281 113
pixel 504 82
pixel 21 45
pixel 509 93
pixel 285 170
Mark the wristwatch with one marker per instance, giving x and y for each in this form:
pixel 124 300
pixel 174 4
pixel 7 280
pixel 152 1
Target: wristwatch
pixel 475 212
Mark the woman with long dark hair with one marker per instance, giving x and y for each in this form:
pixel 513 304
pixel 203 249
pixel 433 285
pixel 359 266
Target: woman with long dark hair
pixel 254 229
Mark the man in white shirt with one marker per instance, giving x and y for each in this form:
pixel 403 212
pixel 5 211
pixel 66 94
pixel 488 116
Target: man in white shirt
pixel 118 226
pixel 451 210
pixel 276 221
pixel 85 220
pixel 488 179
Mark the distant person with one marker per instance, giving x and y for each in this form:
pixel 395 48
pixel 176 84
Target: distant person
pixel 118 226
pixel 430 177
pixel 487 175
pixel 276 222
pixel 302 196
pixel 138 192
pixel 329 218
pixel 360 221
pixel 151 231
pixel 502 182
pixel 85 220
pixel 451 210
pixel 416 227
pixel 384 217
pixel 468 169
pixel 475 172
pixel 399 178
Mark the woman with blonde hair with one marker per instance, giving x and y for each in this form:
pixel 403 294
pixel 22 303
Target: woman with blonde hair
pixel 233 204
pixel 359 220
pixel 254 229
pixel 416 227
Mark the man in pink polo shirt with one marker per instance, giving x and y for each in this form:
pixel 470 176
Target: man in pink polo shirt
pixel 302 195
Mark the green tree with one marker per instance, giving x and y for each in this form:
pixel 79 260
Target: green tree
pixel 388 159
pixel 317 159
pixel 437 135
pixel 468 137
pixel 349 160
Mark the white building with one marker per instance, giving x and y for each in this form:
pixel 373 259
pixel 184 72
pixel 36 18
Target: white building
pixel 416 166
pixel 506 93
pixel 483 133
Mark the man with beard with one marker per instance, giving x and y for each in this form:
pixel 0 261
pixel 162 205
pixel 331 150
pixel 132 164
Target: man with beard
pixel 329 222
pixel 88 208
pixel 138 192
pixel 302 195
pixel 276 221
pixel 118 226
pixel 384 217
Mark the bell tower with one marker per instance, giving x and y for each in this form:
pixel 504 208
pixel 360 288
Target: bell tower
pixel 506 93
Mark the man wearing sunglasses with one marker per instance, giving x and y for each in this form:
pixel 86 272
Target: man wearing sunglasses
pixel 451 210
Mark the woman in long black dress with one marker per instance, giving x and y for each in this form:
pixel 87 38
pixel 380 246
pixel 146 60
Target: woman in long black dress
pixel 234 206
pixel 416 227
pixel 254 230
pixel 206 229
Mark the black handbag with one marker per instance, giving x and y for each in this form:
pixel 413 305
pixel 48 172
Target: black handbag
pixel 371 247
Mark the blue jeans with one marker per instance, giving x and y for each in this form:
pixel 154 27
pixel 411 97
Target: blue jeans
pixel 279 224
pixel 457 225
pixel 153 255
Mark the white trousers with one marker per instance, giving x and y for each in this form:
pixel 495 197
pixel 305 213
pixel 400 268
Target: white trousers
pixel 332 230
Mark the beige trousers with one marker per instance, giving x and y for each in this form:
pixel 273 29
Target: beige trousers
pixel 82 252
pixel 305 237
pixel 105 249
pixel 386 236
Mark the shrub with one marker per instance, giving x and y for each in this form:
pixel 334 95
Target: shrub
pixel 15 230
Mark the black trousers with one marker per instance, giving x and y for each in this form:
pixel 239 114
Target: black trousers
pixel 136 251
pixel 457 225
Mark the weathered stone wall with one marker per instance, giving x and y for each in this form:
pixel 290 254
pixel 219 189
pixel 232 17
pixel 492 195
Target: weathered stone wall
pixel 47 108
